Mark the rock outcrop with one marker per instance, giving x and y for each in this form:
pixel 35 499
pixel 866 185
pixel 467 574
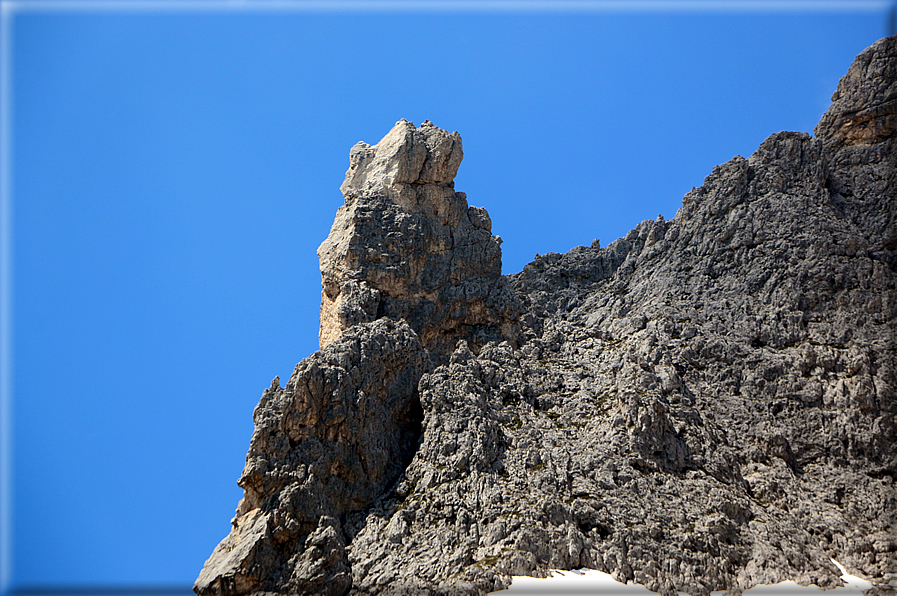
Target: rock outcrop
pixel 330 442
pixel 706 404
pixel 407 246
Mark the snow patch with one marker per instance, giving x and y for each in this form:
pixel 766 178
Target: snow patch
pixel 590 581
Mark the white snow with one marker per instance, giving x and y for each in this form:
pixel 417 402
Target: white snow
pixel 590 581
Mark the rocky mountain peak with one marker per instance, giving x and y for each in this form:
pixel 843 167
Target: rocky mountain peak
pixel 705 404
pixel 864 106
pixel 406 246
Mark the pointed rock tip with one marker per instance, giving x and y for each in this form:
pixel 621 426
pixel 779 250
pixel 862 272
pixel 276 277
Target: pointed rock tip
pixel 405 155
pixel 864 106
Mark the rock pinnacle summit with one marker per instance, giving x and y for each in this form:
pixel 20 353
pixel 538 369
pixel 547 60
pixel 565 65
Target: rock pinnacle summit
pixel 407 246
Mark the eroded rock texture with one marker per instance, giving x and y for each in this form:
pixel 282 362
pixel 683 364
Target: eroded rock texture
pixel 406 246
pixel 705 404
pixel 330 442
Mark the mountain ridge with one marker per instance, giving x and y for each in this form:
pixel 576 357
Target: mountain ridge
pixel 705 404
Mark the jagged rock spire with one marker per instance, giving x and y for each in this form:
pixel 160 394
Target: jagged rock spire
pixel 405 245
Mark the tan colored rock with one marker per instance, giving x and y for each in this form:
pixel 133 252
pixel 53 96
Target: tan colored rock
pixel 864 107
pixel 405 245
pixel 236 565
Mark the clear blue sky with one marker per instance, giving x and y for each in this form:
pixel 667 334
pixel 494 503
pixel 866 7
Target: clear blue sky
pixel 173 171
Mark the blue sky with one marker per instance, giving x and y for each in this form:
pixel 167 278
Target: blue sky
pixel 170 171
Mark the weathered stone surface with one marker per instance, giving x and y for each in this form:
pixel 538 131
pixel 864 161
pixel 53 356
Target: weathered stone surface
pixel 706 404
pixel 858 132
pixel 407 246
pixel 864 107
pixel 330 442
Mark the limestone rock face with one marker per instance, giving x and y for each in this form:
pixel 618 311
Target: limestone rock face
pixel 330 442
pixel 405 245
pixel 864 107
pixel 858 133
pixel 709 403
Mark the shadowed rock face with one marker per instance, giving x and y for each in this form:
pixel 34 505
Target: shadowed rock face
pixel 406 246
pixel 705 404
pixel 333 440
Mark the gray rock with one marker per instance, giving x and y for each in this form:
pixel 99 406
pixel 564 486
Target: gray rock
pixel 407 246
pixel 330 442
pixel 706 404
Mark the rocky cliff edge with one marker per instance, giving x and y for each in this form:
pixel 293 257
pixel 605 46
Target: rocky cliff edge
pixel 706 404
